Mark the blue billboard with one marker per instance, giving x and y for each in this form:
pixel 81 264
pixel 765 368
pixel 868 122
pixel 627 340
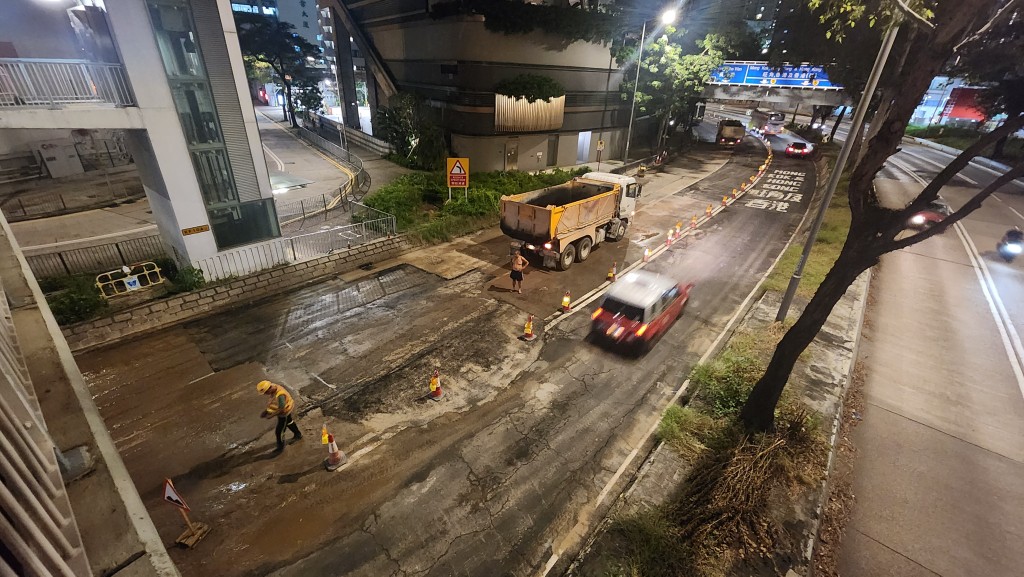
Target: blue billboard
pixel 760 74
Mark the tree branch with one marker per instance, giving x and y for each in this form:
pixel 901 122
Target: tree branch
pixel 914 15
pixel 931 191
pixel 973 204
pixel 1006 10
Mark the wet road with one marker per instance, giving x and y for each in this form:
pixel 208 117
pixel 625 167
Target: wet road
pixel 495 478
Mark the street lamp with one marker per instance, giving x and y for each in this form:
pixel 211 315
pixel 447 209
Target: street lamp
pixel 667 17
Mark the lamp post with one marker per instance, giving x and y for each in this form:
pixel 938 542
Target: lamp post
pixel 667 17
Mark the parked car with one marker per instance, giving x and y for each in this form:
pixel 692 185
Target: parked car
pixel 638 310
pixel 936 211
pixel 799 150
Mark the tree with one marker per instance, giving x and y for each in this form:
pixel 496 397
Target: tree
pixel 671 80
pixel 273 43
pixel 407 125
pixel 932 40
pixel 308 95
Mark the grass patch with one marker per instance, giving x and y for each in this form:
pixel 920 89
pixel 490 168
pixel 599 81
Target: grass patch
pixel 961 138
pixel 78 300
pixel 834 229
pixel 420 204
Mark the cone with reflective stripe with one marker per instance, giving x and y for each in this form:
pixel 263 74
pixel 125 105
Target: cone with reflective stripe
pixel 679 228
pixel 613 272
pixel 566 302
pixel 335 456
pixel 708 211
pixel 725 200
pixel 733 193
pixel 693 222
pixel 647 254
pixel 436 392
pixel 668 239
pixel 528 334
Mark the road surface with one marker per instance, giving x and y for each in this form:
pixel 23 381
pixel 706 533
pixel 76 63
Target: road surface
pixel 506 475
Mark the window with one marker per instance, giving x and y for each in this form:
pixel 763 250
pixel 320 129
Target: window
pixel 616 307
pixel 244 223
pixel 632 191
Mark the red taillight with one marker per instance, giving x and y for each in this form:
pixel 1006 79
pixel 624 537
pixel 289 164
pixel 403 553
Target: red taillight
pixel 789 149
pixel 597 313
pixel 640 331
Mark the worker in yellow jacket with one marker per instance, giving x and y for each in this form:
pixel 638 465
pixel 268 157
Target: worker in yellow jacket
pixel 282 406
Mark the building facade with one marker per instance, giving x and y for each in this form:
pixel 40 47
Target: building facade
pixel 455 63
pixel 169 74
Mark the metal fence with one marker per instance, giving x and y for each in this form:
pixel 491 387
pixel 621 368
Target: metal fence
pixel 49 83
pixel 37 528
pixel 28 205
pixel 359 186
pixel 296 210
pixel 96 259
pixel 373 225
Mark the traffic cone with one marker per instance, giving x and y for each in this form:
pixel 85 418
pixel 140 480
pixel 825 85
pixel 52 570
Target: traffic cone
pixel 647 254
pixel 566 302
pixel 725 201
pixel 707 211
pixel 753 177
pixel 693 222
pixel 733 194
pixel 743 186
pixel 668 239
pixel 335 456
pixel 528 335
pixel 613 272
pixel 679 228
pixel 436 392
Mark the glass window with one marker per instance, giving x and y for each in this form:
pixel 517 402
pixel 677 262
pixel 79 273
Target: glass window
pixel 244 223
pixel 172 26
pixel 632 191
pixel 616 307
pixel 214 174
pixel 198 114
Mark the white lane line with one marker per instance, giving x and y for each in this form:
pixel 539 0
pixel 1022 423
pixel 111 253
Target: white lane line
pixel 1007 332
pixel 87 239
pixel 581 525
pixel 940 165
pixel 1013 210
pixel 275 158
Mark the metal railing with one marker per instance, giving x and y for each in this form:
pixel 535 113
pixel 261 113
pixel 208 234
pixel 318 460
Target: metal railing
pixel 29 205
pixel 50 83
pixel 359 186
pixel 37 527
pixel 95 259
pixel 373 225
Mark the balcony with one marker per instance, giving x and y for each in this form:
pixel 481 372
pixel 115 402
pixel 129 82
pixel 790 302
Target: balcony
pixel 39 83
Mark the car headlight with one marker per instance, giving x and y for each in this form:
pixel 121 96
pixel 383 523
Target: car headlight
pixel 917 219
pixel 547 245
pixel 1013 247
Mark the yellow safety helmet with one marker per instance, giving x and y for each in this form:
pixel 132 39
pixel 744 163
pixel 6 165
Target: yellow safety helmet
pixel 263 386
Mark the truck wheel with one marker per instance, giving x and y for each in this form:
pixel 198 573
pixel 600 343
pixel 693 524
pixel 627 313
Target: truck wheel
pixel 567 257
pixel 620 232
pixel 583 247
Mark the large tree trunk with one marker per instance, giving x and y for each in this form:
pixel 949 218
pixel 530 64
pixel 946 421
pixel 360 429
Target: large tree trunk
pixel 997 152
pixel 835 127
pixel 758 413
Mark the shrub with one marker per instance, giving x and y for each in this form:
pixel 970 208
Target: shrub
pixel 532 87
pixel 687 430
pixel 81 300
pixel 725 382
pixel 187 279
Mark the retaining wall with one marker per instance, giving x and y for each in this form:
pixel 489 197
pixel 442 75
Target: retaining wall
pixel 166 312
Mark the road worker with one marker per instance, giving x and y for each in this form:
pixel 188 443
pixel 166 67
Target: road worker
pixel 282 406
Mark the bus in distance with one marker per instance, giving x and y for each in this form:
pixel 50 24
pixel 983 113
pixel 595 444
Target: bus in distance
pixel 767 121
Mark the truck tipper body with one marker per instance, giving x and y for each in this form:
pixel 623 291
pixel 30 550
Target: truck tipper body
pixel 730 132
pixel 563 223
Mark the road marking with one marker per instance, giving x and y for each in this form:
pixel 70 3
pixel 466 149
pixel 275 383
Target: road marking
pixel 1013 210
pixel 274 157
pixel 317 377
pixel 1007 332
pixel 193 381
pixel 580 526
pixel 941 166
pixel 351 175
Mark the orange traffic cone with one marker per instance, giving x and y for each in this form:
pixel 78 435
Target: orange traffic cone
pixel 566 302
pixel 707 211
pixel 679 228
pixel 725 200
pixel 335 456
pixel 733 193
pixel 612 272
pixel 647 254
pixel 528 335
pixel 668 239
pixel 693 222
pixel 436 392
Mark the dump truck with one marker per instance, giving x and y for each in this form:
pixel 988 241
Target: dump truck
pixel 730 132
pixel 564 223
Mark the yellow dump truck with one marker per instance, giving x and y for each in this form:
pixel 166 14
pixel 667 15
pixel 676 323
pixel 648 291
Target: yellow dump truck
pixel 563 223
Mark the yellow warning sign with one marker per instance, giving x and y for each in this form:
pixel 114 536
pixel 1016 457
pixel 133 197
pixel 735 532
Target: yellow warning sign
pixel 458 173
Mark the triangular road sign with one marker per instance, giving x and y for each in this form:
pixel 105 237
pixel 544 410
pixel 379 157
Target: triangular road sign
pixel 458 169
pixel 171 496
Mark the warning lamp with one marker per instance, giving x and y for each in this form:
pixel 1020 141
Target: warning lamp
pixel 597 313
pixel 640 331
pixel 547 245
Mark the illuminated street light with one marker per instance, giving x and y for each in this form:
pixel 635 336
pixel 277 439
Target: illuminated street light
pixel 667 17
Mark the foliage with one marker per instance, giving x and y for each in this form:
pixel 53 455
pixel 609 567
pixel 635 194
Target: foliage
pixel 924 47
pixel 180 280
pixel 408 127
pixel 419 200
pixel 687 430
pixel 961 138
pixel 532 87
pixel 274 43
pixel 514 17
pixel 56 284
pixel 806 132
pixel 671 79
pixel 307 94
pixel 79 301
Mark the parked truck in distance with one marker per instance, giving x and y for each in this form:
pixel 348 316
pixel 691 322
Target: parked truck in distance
pixel 564 223
pixel 730 132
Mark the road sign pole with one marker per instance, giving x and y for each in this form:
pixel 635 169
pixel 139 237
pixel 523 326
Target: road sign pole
pixel 188 522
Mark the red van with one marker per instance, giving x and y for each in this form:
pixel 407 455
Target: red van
pixel 638 309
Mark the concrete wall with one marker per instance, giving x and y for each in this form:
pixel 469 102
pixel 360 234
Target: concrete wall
pixel 163 313
pixel 487 153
